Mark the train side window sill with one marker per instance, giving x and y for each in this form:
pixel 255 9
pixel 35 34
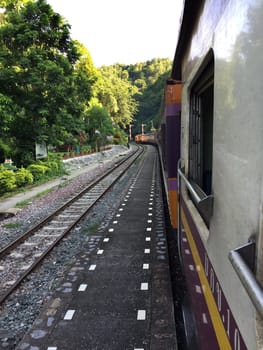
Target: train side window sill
pixel 205 203
pixel 202 201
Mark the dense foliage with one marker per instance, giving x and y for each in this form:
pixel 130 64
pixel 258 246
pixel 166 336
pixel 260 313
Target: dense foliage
pixel 51 93
pixel 149 78
pixel 41 85
pixel 145 81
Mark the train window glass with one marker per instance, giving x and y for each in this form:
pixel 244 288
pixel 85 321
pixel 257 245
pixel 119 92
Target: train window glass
pixel 201 131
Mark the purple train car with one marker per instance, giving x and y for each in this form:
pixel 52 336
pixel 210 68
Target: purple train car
pixel 212 152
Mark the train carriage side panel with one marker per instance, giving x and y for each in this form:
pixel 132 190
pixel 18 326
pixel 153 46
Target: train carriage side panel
pixel 173 126
pixel 232 32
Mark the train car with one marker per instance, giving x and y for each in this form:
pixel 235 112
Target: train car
pixel 149 138
pixel 212 155
pixel 138 138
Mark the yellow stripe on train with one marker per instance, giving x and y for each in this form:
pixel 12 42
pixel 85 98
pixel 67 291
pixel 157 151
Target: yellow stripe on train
pixel 222 338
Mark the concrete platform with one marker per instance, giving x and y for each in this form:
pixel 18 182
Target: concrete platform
pixel 117 295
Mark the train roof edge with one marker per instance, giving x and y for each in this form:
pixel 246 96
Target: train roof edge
pixel 189 14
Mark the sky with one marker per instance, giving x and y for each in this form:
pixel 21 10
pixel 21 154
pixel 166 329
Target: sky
pixel 122 31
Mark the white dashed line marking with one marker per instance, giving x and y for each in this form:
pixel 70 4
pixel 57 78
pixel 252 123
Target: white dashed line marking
pixel 106 240
pixel 204 318
pixel 92 267
pixel 100 251
pixel 191 267
pixel 198 289
pixel 115 222
pixel 187 251
pixel 52 348
pixel 111 229
pixel 147 239
pixel 148 229
pixel 145 266
pixel 141 315
pixel 118 215
pixel 121 209
pixel 82 287
pixel 149 221
pixel 144 286
pixel 147 251
pixel 150 214
pixel 69 315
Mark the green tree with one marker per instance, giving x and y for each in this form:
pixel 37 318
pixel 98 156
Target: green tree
pixel 98 125
pixel 116 93
pixel 6 114
pixel 40 74
pixel 149 77
pixel 134 93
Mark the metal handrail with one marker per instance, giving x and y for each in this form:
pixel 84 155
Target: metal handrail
pixel 204 202
pixel 248 279
pixel 189 187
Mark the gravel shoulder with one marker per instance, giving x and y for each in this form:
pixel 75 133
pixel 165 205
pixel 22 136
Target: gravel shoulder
pixel 75 167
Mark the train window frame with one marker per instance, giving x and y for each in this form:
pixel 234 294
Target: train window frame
pixel 200 153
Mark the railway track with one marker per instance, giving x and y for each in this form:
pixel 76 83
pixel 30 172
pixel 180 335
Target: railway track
pixel 22 256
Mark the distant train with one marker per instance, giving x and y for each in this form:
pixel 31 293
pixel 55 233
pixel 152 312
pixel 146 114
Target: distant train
pixel 211 146
pixel 146 138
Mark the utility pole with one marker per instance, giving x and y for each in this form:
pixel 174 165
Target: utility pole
pixel 130 127
pixel 143 125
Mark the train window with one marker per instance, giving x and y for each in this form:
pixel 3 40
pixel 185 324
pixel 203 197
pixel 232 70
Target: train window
pixel 201 131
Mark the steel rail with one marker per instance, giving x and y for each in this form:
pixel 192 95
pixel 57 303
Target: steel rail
pixel 6 250
pixel 36 263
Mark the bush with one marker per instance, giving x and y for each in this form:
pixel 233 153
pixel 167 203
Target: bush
pixel 7 181
pixel 55 163
pixel 38 171
pixel 10 167
pixel 23 177
pixel 61 169
pixel 53 166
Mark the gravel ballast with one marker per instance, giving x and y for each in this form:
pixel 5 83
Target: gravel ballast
pixel 21 309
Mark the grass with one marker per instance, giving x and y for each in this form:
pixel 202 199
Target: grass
pixel 22 203
pixel 12 193
pixel 13 225
pixel 93 227
pixel 25 188
pixel 43 193
pixel 28 201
